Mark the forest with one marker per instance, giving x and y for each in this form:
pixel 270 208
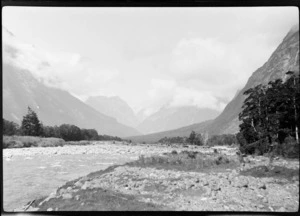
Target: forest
pixel 270 118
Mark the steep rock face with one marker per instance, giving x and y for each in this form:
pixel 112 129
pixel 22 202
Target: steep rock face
pixel 284 58
pixel 53 106
pixel 175 117
pixel 114 107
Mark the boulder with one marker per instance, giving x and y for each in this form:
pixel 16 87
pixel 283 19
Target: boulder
pixel 67 196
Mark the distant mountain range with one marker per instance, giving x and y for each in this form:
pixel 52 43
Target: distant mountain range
pixel 284 58
pixel 53 106
pixel 175 117
pixel 115 107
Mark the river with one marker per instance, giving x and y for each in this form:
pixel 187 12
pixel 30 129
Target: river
pixel 29 177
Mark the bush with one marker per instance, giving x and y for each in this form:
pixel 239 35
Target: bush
pixel 81 142
pixel 224 139
pixel 10 128
pixel 51 142
pixel 290 148
pixel 174 152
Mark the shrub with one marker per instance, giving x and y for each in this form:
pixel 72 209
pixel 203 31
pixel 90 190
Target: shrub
pixel 51 142
pixel 174 152
pixel 290 148
pixel 10 128
pixel 81 142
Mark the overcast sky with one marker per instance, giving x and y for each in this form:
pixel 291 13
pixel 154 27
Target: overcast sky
pixel 150 57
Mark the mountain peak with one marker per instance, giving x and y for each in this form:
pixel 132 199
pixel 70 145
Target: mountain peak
pixel 114 106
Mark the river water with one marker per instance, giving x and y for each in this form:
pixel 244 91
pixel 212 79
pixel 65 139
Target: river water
pixel 29 177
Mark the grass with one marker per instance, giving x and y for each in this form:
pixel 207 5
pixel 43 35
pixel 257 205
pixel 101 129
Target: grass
pixel 81 142
pixel 99 199
pixel 30 141
pixel 187 161
pixel 278 172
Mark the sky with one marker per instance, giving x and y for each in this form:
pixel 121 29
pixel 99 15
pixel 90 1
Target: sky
pixel 149 57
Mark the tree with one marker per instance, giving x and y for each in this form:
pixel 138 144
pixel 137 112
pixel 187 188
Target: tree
pixel 192 137
pixel 70 132
pixel 10 128
pixel 31 125
pixel 270 114
pixel 89 134
pixel 199 140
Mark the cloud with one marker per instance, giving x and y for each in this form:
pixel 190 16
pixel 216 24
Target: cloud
pixel 169 93
pixel 189 97
pixel 210 65
pixel 64 70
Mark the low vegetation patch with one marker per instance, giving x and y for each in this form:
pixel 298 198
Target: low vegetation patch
pixel 278 172
pixel 30 141
pixel 187 161
pixel 99 199
pixel 81 142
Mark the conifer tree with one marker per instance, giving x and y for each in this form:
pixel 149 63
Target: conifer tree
pixel 31 125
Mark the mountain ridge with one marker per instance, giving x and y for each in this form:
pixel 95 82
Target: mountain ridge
pixel 53 106
pixel 115 107
pixel 169 118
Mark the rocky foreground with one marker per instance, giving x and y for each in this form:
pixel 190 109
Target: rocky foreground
pixel 249 187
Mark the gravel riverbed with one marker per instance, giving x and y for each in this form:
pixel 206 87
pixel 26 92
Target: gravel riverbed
pixel 229 190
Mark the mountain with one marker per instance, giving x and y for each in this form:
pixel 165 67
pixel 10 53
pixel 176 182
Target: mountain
pixel 114 107
pixel 175 117
pixel 284 58
pixel 53 106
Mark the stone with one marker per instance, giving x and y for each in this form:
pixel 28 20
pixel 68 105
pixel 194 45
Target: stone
pixel 52 195
pixel 208 191
pixel 50 209
pixel 282 209
pixel 204 182
pixel 77 197
pixel 62 191
pixel 85 186
pixel 240 182
pixel 32 209
pixel 67 196
pixel 261 185
pixel 215 186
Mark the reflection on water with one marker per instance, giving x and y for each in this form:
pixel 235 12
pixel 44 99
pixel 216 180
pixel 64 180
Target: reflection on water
pixel 28 178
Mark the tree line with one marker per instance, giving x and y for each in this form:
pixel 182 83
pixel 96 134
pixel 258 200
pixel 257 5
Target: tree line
pixel 270 118
pixel 31 126
pixel 199 139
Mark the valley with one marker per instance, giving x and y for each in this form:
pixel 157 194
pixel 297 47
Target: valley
pixel 194 110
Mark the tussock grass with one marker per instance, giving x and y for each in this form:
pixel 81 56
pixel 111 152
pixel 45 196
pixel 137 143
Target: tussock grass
pixel 187 161
pixel 30 141
pixel 81 142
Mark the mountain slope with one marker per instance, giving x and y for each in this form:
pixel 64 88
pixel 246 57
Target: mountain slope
pixel 175 117
pixel 53 106
pixel 284 58
pixel 114 107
